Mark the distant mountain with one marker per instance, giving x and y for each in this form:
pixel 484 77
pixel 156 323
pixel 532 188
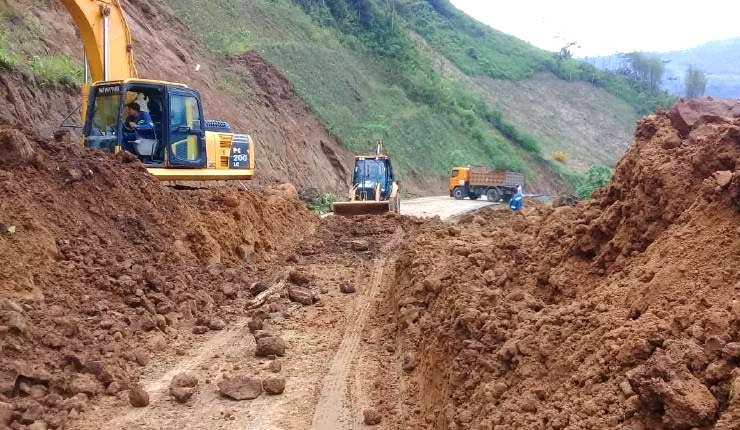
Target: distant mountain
pixel 720 60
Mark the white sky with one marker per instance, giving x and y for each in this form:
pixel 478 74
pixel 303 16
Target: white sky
pixel 606 27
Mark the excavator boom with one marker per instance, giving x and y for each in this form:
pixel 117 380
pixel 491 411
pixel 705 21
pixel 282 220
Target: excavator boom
pixel 106 38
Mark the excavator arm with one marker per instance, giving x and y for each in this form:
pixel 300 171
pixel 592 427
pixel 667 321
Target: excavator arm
pixel 106 38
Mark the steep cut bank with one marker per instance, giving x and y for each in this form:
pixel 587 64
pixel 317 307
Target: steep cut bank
pixel 101 265
pixel 620 313
pixel 292 144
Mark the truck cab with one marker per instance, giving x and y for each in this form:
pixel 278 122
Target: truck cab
pixel 181 146
pixel 459 177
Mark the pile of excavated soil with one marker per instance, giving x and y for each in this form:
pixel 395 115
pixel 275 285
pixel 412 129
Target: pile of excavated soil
pixel 100 265
pixel 620 313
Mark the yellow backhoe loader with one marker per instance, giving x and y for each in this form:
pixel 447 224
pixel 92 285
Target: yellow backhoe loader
pixel 374 189
pixel 180 144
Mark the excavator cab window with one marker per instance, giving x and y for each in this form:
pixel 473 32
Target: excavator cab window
pixel 102 131
pixel 186 130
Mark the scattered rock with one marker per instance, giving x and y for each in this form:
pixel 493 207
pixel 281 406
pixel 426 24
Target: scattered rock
pixel 371 417
pixel 6 412
pixel 200 329
pixel 270 345
pixel 409 362
pixel 84 383
pixel 299 278
pixel 664 384
pixel 138 397
pixel 255 324
pixel 15 148
pixel 347 288
pixel 723 178
pixel 274 385
pixel 301 295
pixel 240 387
pixel 359 245
pixel 275 366
pixel 38 425
pixel 216 324
pixel 229 291
pixel 183 387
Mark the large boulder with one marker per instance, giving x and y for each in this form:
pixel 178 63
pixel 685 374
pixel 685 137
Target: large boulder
pixel 240 387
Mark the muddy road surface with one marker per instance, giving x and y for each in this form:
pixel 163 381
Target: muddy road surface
pixel 444 207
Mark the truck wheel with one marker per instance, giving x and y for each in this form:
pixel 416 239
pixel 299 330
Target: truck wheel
pixel 458 193
pixel 493 195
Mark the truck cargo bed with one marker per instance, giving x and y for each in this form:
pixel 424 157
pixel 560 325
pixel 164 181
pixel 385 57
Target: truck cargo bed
pixel 483 176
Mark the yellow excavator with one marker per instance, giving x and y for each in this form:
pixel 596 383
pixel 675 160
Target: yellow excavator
pixel 374 187
pixel 180 144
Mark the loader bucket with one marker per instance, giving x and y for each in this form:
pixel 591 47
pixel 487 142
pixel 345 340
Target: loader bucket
pixel 361 208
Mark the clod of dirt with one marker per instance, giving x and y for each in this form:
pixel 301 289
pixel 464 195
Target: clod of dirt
pixel 255 324
pixel 6 412
pixel 84 383
pixel 270 345
pixel 360 245
pixel 200 329
pixel 240 387
pixel 216 324
pixel 274 385
pixel 371 417
pixel 409 362
pixel 138 397
pixel 665 386
pixel 347 287
pixel 275 366
pixel 183 387
pixel 38 425
pixel 301 295
pixel 299 278
pixel 15 148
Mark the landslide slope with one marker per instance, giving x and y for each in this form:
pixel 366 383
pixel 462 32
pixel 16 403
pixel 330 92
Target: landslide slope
pixel 317 81
pixel 620 313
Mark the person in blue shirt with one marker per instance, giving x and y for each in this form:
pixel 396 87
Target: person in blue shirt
pixel 517 202
pixel 138 124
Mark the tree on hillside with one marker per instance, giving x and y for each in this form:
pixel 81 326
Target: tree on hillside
pixel 648 70
pixel 696 82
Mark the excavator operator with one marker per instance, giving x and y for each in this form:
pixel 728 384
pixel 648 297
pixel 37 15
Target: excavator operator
pixel 138 124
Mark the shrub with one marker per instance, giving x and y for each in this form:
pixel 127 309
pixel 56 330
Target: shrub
pixel 598 176
pixel 322 204
pixel 57 69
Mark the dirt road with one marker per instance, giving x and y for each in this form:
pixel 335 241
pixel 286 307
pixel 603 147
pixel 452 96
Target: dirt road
pixel 442 206
pixel 325 343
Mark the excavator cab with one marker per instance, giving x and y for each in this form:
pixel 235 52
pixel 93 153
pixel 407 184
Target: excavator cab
pixel 180 146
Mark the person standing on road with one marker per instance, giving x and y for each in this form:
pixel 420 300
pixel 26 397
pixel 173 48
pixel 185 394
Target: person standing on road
pixel 517 202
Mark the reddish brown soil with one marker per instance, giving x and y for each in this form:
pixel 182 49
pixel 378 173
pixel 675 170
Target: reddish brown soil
pixel 104 261
pixel 621 313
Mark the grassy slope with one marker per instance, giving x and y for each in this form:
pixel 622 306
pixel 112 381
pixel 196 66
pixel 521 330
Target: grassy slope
pixel 350 89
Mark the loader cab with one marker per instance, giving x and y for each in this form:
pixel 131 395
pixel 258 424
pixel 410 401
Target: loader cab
pixel 371 174
pixel 177 138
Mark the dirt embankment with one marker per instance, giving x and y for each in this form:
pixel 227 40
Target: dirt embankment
pixel 99 261
pixel 621 313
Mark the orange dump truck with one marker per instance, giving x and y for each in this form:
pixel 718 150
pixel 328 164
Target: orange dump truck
pixel 474 182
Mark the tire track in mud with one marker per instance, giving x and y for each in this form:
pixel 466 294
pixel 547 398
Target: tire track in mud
pixel 336 407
